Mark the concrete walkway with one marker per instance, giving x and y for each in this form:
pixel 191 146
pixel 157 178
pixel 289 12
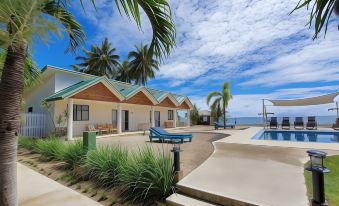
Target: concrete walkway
pixel 242 171
pixel 36 189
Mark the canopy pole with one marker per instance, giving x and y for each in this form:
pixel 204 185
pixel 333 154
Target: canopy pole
pixel 263 112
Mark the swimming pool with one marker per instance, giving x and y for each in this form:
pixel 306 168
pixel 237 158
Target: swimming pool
pixel 298 136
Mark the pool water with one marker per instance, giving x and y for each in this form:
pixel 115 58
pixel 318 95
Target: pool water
pixel 299 136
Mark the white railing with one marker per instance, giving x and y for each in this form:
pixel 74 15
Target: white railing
pixel 33 125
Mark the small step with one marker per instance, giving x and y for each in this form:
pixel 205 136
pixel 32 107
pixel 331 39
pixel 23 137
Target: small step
pixel 212 197
pixel 183 200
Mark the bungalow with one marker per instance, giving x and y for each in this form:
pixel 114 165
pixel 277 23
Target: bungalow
pixel 91 100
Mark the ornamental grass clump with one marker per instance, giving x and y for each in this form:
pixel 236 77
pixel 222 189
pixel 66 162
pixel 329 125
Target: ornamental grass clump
pixel 74 154
pixel 50 148
pixel 105 164
pixel 27 143
pixel 147 176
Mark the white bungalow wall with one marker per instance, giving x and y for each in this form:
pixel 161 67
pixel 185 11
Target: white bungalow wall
pixel 101 112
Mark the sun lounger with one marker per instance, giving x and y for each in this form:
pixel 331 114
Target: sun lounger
pixel 273 123
pixel 299 123
pixel 311 123
pixel 217 126
pixel 285 124
pixel 157 133
pixel 336 125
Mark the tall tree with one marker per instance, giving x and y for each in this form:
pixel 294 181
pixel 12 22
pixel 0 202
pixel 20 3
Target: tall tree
pixel 194 114
pixel 321 13
pixel 99 60
pixel 23 21
pixel 216 112
pixel 143 64
pixel 124 72
pixel 31 72
pixel 220 98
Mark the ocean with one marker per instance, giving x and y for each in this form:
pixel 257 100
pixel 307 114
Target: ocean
pixel 322 120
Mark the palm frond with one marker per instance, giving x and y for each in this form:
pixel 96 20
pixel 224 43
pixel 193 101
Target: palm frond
pixel 73 29
pixel 211 95
pixel 321 11
pixel 160 17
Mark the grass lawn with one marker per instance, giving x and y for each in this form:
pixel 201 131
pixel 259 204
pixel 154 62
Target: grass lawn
pixel 331 181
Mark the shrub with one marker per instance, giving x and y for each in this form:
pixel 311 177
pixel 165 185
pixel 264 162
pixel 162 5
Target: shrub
pixel 74 153
pixel 50 148
pixel 148 176
pixel 26 142
pixel 105 164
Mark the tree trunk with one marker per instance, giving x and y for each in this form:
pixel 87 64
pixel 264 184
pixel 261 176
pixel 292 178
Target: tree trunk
pixel 11 89
pixel 224 117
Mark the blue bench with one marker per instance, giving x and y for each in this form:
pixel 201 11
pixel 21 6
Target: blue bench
pixel 217 126
pixel 157 133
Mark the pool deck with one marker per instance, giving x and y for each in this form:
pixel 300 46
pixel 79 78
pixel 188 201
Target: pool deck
pixel 243 171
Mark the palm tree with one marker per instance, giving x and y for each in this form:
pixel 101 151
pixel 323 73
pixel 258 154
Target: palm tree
pixel 220 98
pixel 320 13
pixel 124 72
pixel 143 64
pixel 23 21
pixel 31 72
pixel 194 115
pixel 216 112
pixel 100 60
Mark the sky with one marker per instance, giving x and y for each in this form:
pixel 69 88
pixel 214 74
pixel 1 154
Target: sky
pixel 259 48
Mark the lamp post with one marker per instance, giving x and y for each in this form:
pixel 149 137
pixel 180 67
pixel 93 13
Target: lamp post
pixel 176 161
pixel 318 170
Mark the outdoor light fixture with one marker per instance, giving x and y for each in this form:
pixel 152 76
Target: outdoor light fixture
pixel 176 161
pixel 318 170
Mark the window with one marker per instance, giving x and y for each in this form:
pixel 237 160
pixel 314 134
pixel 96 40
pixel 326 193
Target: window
pixel 30 109
pixel 80 112
pixel 204 119
pixel 170 114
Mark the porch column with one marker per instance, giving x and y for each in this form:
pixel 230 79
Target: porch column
pixel 119 123
pixel 188 118
pixel 152 117
pixel 175 118
pixel 70 119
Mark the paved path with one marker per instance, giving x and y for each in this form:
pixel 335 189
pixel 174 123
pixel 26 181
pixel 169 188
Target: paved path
pixel 258 172
pixel 36 189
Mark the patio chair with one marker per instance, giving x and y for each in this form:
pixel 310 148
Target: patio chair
pixel 285 124
pixel 273 123
pixel 162 135
pixel 91 128
pixel 299 123
pixel 111 129
pixel 101 128
pixel 311 123
pixel 336 125
pixel 217 126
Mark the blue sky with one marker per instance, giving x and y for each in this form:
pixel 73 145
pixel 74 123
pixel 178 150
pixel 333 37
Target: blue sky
pixel 255 45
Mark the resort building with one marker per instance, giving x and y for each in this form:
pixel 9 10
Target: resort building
pixel 87 100
pixel 205 118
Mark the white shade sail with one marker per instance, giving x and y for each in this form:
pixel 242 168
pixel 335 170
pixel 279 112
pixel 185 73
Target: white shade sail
pixel 324 99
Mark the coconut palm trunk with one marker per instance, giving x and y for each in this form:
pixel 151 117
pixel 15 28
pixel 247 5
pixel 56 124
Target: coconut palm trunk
pixel 11 89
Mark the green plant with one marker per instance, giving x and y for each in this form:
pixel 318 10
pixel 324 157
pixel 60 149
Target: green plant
pixel 147 175
pixel 221 99
pixel 50 148
pixel 105 164
pixel 74 154
pixel 26 142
